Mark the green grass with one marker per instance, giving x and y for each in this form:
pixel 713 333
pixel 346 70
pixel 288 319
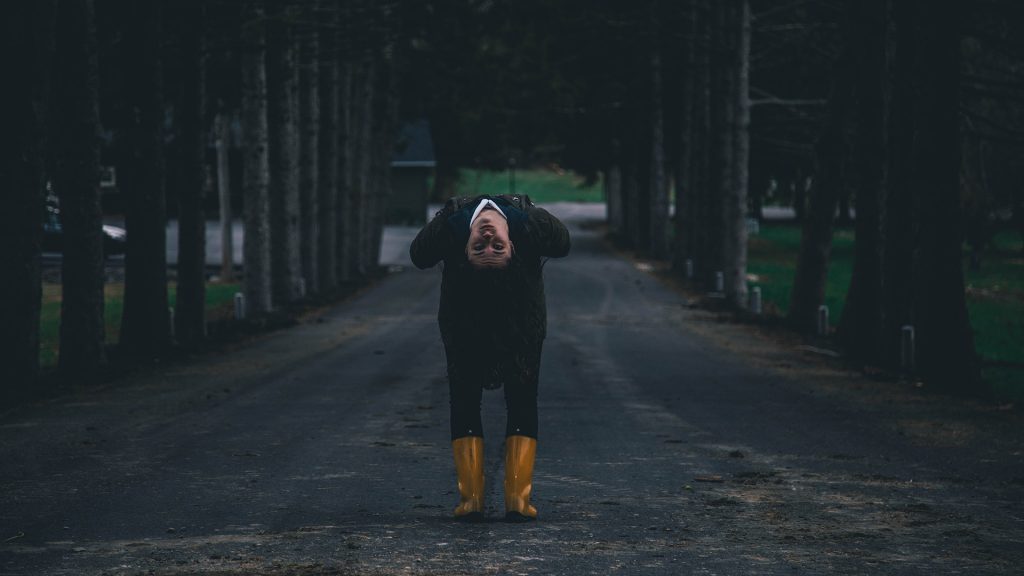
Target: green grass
pixel 995 302
pixel 772 264
pixel 995 295
pixel 219 301
pixel 541 185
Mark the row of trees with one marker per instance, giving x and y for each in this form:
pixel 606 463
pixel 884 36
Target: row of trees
pixel 149 86
pixel 904 108
pixel 863 100
pixel 886 131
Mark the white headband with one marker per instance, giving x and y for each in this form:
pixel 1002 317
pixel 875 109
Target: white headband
pixel 480 208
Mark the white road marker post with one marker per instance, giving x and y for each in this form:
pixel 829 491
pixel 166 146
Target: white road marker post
pixel 822 320
pixel 239 306
pixel 755 300
pixel 907 352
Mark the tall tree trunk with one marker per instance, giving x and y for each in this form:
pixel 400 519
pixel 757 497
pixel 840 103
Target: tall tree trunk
pixel 309 130
pixel 685 193
pixel 190 315
pixel 816 239
pixel 613 193
pixel 328 182
pixel 76 179
pixel 444 135
pixel 145 324
pixel 282 121
pixel 700 215
pixel 897 211
pixel 348 203
pixel 256 170
pixel 723 109
pixel 735 202
pixel 384 143
pixel 374 187
pixel 799 196
pixel 844 215
pixel 658 200
pixel 945 355
pixel 639 152
pixel 860 327
pixel 28 55
pixel 363 167
pixel 630 216
pixel 222 125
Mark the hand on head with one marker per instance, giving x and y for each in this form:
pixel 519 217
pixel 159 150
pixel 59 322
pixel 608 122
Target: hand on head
pixel 489 245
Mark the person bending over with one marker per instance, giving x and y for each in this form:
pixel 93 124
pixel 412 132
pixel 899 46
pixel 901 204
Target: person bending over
pixel 493 320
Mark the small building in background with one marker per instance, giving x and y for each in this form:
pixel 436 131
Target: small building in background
pixel 412 167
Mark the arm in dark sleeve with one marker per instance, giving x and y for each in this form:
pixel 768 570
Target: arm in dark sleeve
pixel 434 242
pixel 547 233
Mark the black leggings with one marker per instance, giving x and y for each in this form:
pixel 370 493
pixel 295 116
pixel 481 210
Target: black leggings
pixel 519 378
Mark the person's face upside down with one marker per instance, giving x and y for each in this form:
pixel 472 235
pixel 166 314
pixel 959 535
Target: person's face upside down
pixel 489 245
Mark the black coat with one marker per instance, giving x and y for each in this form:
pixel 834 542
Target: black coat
pixel 492 321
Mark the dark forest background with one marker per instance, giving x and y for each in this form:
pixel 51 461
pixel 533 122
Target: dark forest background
pixel 899 118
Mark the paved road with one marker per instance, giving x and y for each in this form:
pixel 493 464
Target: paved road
pixel 670 444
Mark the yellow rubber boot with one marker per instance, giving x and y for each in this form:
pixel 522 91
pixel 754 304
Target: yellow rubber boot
pixel 520 452
pixel 469 468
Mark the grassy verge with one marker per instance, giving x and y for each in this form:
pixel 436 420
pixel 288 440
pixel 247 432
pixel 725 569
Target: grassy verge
pixel 995 295
pixel 219 302
pixel 541 185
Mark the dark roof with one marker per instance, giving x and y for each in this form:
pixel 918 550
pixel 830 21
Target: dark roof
pixel 414 146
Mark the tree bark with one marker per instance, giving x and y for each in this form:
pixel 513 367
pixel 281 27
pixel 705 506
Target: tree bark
pixel 348 203
pixel 282 122
pixel 145 324
pixel 638 153
pixel 816 239
pixel 76 180
pixel 844 216
pixel 256 170
pixel 630 214
pixel 363 168
pixel 309 129
pixel 700 215
pixel 227 240
pixel 328 182
pixel 945 347
pixel 860 328
pixel 735 202
pixel 685 164
pixel 799 197
pixel 443 134
pixel 613 193
pixel 722 136
pixel 384 144
pixel 190 314
pixel 898 215
pixel 28 55
pixel 658 198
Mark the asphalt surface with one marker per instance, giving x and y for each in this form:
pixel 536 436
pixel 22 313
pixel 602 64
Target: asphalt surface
pixel 670 443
